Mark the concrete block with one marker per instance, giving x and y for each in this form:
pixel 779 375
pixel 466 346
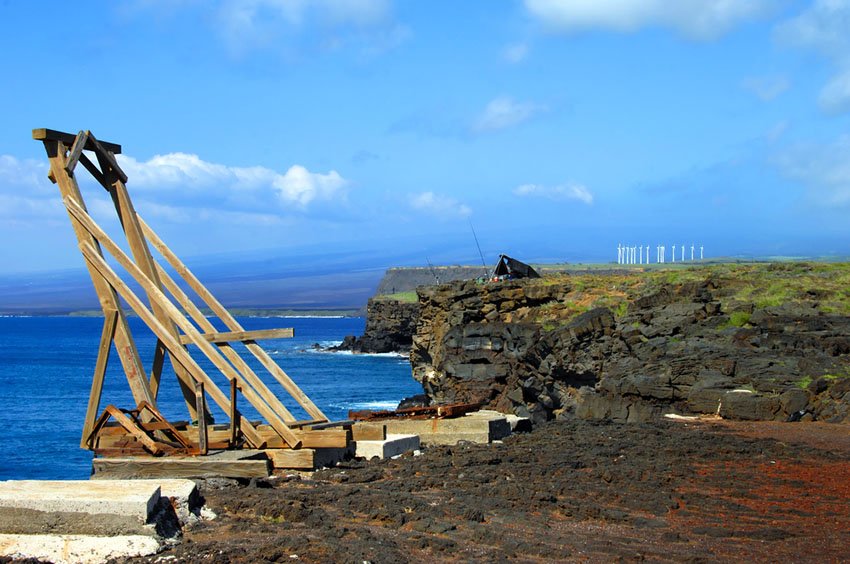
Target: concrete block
pixel 393 445
pixel 114 497
pixel 74 549
pixel 478 427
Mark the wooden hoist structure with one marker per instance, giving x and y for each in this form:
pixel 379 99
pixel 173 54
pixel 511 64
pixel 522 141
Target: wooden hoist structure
pixel 141 441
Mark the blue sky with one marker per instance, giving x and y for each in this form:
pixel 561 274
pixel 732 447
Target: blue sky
pixel 557 128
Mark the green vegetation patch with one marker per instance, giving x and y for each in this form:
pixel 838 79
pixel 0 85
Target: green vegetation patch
pixel 402 297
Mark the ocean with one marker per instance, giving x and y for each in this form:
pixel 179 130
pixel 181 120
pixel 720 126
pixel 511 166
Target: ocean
pixel 46 367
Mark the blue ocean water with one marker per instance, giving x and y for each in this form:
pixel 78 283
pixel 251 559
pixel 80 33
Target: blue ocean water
pixel 46 367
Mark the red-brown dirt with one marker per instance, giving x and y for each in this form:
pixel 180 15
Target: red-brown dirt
pixel 569 491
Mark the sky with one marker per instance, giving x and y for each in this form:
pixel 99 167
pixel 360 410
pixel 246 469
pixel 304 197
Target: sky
pixel 393 128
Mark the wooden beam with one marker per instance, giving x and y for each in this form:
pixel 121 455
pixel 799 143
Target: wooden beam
pixel 175 467
pixel 68 139
pixel 142 255
pixel 235 416
pixel 274 369
pixel 156 295
pixel 243 336
pixel 76 151
pixel 202 423
pixel 177 351
pixel 103 154
pixel 133 429
pixel 106 336
pixel 94 171
pixel 125 346
pixel 225 348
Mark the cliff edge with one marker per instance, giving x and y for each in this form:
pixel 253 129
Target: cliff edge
pixel 760 342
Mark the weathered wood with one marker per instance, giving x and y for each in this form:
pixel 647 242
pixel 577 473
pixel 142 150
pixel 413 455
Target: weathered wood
pixel 242 336
pixel 298 459
pixel 142 256
pixel 109 323
pixel 133 429
pixel 177 351
pixel 202 423
pixel 225 348
pixel 175 467
pixel 329 438
pixel 185 325
pixel 329 424
pixel 235 416
pixel 370 432
pixel 125 346
pixel 276 371
pixel 103 154
pixel 172 431
pixel 76 151
pixel 68 139
pixel 156 368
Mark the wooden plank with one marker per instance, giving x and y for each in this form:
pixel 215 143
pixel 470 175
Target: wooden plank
pixel 232 355
pixel 103 154
pixel 369 432
pixel 294 459
pixel 109 323
pixel 235 416
pixel 329 424
pixel 142 255
pixel 185 325
pixel 164 425
pixel 68 139
pixel 176 467
pixel 202 422
pixel 276 371
pixel 329 438
pixel 76 151
pixel 133 429
pixel 242 336
pixel 176 350
pixel 156 295
pixel 125 346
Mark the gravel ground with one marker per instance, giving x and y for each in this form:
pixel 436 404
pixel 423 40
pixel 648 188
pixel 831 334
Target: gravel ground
pixel 569 491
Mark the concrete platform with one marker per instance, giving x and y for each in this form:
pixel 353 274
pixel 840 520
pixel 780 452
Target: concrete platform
pixel 111 497
pixel 476 427
pixel 393 445
pixel 74 549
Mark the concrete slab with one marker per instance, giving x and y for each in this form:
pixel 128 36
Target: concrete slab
pixel 477 427
pixel 393 445
pixel 76 549
pixel 112 497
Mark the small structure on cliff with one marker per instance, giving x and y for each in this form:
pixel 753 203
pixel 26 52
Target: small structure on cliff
pixel 513 268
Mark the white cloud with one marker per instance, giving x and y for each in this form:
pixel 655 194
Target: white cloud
pixel 571 191
pixel 190 173
pixel 824 27
pixel 438 205
pixel 766 88
pixel 824 169
pixel 697 19
pixel 505 112
pixel 515 52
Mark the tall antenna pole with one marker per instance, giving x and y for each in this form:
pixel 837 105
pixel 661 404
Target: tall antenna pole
pixel 483 263
pixel 433 272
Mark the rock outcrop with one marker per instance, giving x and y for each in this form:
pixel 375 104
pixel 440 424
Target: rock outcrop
pixel 390 325
pixel 766 342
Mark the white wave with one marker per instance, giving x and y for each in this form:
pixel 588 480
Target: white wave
pixel 382 405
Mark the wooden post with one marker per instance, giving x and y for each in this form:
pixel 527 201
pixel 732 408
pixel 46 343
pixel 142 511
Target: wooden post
pixel 109 323
pixel 124 344
pixel 115 183
pixel 235 416
pixel 202 423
